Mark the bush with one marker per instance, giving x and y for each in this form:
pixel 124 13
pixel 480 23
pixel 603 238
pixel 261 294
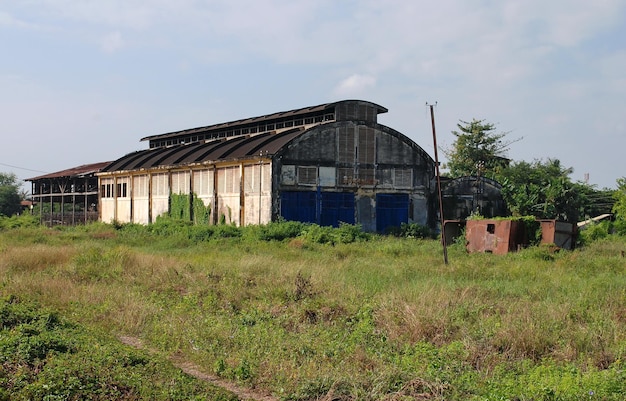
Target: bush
pixel 278 231
pixel 18 221
pixel 344 234
pixel 414 230
pixel 619 227
pixel 594 232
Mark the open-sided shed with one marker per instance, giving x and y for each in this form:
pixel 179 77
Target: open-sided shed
pixel 68 196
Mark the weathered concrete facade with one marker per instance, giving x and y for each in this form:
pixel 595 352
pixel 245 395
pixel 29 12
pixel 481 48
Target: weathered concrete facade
pixel 325 164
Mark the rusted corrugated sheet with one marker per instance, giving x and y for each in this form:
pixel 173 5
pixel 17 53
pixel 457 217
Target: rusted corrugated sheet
pixel 494 236
pixel 246 121
pixel 79 171
pixel 282 116
pixel 559 233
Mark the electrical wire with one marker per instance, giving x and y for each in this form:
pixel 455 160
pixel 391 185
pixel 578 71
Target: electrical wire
pixel 22 168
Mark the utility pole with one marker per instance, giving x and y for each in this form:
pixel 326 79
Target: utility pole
pixel 443 231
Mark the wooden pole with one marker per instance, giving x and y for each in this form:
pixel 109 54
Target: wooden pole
pixel 440 197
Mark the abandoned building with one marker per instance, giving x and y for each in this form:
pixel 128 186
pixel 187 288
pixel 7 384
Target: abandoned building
pixel 69 196
pixel 469 195
pixel 324 164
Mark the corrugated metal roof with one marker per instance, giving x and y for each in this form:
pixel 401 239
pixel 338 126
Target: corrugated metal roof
pixel 245 121
pixel 269 118
pixel 240 147
pixel 79 171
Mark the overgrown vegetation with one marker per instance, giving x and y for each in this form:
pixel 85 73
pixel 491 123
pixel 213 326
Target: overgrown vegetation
pixel 309 313
pixel 541 188
pixel 182 206
pixel 43 356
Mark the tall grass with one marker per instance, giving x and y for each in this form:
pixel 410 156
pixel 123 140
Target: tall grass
pixel 354 317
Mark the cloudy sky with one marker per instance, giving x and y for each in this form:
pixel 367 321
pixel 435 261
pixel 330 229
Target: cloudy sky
pixel 82 81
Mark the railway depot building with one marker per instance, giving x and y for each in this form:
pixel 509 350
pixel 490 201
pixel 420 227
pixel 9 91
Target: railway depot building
pixel 324 164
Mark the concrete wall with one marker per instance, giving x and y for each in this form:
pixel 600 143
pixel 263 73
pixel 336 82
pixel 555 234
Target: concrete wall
pixel 359 157
pixel 218 187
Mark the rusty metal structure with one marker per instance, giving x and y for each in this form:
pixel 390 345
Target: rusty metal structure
pixel 559 233
pixel 324 164
pixel 507 235
pixel 495 236
pixel 67 197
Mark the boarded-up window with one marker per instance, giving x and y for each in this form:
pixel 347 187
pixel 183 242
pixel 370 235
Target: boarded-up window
pixel 140 186
pixel 202 182
pixel 228 180
pixel 403 178
pixel 327 176
pixel 288 175
pixel 307 175
pixel 367 145
pixel 345 176
pixel 252 178
pixel 160 185
pixel 180 182
pixel 256 178
pixel 346 145
pixel 366 177
pixel 385 177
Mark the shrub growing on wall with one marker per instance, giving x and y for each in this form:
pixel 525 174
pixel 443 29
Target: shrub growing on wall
pixel 180 209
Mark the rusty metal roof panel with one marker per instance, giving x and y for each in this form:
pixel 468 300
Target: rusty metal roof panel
pixel 79 171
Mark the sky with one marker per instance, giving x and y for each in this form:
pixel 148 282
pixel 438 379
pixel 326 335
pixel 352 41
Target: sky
pixel 82 81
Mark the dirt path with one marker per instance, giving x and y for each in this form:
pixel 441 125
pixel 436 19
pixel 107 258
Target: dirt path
pixel 193 370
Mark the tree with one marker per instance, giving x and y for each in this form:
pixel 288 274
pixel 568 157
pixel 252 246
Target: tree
pixel 477 150
pixel 619 208
pixel 9 194
pixel 544 190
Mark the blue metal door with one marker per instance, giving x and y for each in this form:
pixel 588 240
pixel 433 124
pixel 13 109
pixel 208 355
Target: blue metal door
pixel 391 211
pixel 298 206
pixel 323 208
pixel 337 207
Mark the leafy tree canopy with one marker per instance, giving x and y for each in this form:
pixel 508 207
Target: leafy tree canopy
pixel 620 199
pixel 540 188
pixel 477 150
pixel 544 189
pixel 9 194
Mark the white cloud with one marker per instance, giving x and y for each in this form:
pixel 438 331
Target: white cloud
pixel 355 84
pixel 8 20
pixel 542 69
pixel 112 42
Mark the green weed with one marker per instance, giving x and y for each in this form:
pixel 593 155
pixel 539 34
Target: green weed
pixel 307 312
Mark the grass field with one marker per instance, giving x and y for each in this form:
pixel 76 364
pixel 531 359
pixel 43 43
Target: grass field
pixel 325 315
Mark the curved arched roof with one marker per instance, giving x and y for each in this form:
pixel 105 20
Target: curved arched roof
pixel 265 144
pixel 265 119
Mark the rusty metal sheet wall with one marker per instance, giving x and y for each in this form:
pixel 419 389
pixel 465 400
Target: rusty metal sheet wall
pixel 494 236
pixel 559 233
